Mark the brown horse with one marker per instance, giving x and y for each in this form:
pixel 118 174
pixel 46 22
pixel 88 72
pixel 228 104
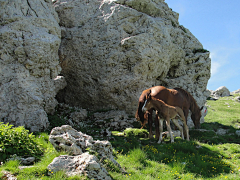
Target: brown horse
pixel 166 112
pixel 174 97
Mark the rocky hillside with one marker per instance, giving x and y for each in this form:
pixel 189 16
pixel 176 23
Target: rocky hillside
pixel 109 52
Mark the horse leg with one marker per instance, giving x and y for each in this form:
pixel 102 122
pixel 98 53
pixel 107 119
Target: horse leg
pixel 169 129
pixel 160 130
pixel 186 130
pixel 157 126
pixel 175 121
pixel 150 124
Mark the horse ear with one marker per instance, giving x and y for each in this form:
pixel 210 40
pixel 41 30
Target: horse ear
pixel 149 97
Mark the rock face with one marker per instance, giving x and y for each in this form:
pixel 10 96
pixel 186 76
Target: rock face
pixel 29 62
pixel 112 50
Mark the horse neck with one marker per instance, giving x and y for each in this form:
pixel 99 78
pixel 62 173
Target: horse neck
pixel 193 105
pixel 156 104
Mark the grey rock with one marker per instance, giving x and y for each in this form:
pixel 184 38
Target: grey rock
pixel 75 143
pixel 29 62
pixel 84 164
pixel 220 92
pixel 111 50
pixel 236 92
pixel 221 132
pixel 238 132
pixel 68 139
pixel 117 120
pixel 237 98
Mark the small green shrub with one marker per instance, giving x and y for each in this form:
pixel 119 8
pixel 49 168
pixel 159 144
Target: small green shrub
pixel 130 132
pixel 17 141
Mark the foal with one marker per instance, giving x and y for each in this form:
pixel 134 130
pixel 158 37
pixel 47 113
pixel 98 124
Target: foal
pixel 166 112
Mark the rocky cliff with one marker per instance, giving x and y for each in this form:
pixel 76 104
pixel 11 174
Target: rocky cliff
pixel 29 62
pixel 111 50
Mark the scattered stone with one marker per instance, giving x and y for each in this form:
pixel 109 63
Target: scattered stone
pixel 238 132
pixel 106 132
pixel 221 132
pixel 23 161
pixel 24 167
pixel 236 92
pixel 198 146
pixel 166 134
pixel 237 98
pixel 8 176
pixel 27 161
pixel 116 120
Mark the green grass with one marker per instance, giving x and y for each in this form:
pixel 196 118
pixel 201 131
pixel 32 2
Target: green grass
pixel 206 156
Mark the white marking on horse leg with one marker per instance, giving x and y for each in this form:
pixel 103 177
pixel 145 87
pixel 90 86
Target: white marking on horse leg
pixel 175 121
pixel 160 130
pixel 143 108
pixel 169 129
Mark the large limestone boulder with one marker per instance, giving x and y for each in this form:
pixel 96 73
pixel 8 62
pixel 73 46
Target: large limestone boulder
pixel 112 50
pixel 30 38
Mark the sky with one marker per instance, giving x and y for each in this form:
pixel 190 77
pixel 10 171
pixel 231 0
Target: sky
pixel 216 24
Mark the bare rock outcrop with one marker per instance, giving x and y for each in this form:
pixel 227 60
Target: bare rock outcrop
pixel 112 50
pixel 84 164
pixel 76 143
pixel 220 92
pixel 29 63
pixel 236 92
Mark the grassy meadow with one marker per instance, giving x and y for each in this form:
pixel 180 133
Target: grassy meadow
pixel 208 155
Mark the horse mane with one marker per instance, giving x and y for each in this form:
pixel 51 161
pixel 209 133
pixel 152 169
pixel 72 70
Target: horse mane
pixel 139 112
pixel 191 100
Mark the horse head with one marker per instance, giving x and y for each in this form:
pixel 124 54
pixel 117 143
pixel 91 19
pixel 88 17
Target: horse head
pixel 140 115
pixel 196 116
pixel 147 104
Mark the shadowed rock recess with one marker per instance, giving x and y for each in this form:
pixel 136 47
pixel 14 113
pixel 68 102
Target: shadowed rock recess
pixel 111 50
pixel 29 62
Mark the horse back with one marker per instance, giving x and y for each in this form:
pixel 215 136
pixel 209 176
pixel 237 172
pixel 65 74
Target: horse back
pixel 171 97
